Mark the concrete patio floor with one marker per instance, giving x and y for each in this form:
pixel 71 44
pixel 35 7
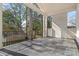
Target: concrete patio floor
pixel 44 47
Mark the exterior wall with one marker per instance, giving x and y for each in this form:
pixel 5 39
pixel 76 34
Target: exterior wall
pixel 49 32
pixel 56 30
pixel 71 31
pixel 59 25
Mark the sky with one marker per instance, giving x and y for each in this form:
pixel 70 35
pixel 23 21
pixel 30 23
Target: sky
pixel 71 17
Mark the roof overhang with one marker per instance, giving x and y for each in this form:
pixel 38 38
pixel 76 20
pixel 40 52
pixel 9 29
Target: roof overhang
pixel 56 8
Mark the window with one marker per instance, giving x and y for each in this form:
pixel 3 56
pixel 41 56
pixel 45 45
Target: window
pixel 71 19
pixel 37 24
pixel 49 22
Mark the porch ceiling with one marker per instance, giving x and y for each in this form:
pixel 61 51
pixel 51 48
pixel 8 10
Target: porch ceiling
pixel 55 8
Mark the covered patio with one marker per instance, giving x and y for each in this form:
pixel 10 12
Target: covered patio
pixel 42 47
pixel 55 38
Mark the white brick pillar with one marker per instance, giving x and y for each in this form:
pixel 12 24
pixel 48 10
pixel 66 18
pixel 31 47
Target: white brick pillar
pixel 77 24
pixel 44 26
pixel 1 38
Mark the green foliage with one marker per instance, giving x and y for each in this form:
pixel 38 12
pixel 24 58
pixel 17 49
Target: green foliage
pixel 8 23
pixel 37 26
pixel 49 24
pixel 14 16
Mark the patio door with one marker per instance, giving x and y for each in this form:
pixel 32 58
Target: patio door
pixel 37 25
pixel 49 26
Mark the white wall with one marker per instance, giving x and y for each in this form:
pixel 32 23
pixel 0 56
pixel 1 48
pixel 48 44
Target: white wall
pixel 59 25
pixel 71 32
pixel 49 32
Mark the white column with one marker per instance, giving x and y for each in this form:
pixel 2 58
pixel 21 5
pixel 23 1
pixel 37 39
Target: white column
pixel 0 27
pixel 44 26
pixel 77 24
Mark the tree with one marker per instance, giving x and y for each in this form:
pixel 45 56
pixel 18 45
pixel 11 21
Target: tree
pixel 37 27
pixel 15 14
pixel 8 23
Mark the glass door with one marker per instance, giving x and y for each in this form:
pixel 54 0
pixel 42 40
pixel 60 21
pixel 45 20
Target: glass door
pixel 37 25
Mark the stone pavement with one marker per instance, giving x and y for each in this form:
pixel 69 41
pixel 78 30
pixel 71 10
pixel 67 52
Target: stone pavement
pixel 45 47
